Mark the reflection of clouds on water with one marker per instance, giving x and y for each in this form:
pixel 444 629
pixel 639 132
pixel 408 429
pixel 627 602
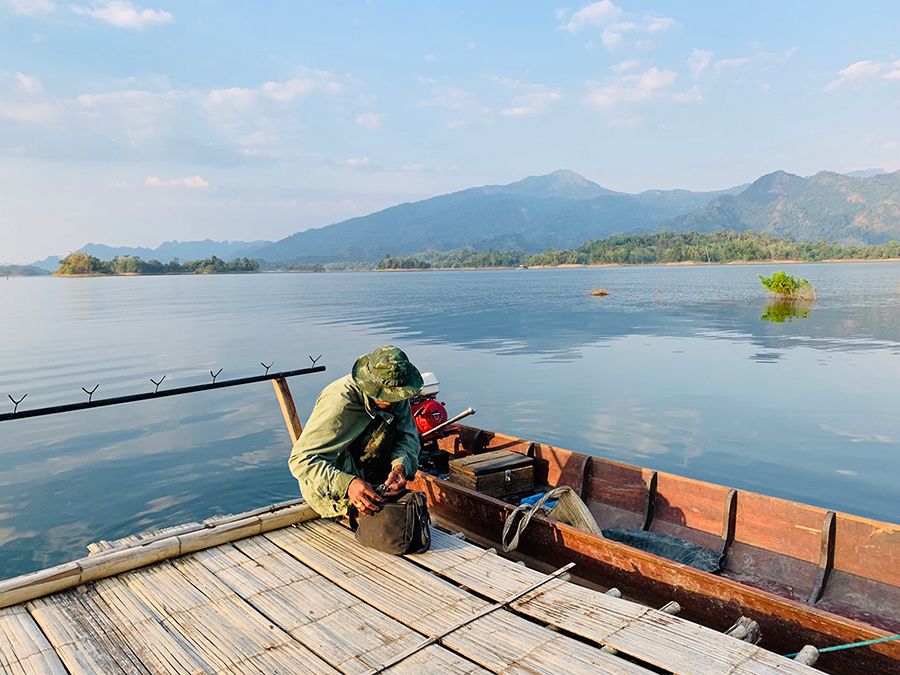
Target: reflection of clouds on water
pixel 8 534
pixel 161 504
pixel 526 412
pixel 635 433
pixel 252 459
pixel 857 437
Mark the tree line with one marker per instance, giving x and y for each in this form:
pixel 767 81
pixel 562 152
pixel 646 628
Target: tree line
pixel 80 263
pixel 647 249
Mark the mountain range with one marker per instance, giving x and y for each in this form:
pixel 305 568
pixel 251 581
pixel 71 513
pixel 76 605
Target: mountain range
pixel 564 210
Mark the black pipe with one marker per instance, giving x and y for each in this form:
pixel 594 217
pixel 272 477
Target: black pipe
pixel 53 410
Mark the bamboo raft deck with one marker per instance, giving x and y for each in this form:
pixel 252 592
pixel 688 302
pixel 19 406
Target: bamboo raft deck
pixel 298 595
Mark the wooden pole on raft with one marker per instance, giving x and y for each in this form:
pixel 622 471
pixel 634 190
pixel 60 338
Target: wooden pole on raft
pixel 283 392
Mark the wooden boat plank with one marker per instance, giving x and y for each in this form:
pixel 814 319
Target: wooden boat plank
pixel 706 598
pixel 494 641
pixel 23 646
pixel 648 635
pixel 866 549
pixel 226 631
pixel 350 635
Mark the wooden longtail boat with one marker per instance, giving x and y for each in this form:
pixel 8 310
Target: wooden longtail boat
pixel 807 575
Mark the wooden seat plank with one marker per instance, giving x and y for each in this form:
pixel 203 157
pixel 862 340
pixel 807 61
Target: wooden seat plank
pixel 501 641
pixel 646 634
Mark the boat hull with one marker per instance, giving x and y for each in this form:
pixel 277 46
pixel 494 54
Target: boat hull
pixel 711 599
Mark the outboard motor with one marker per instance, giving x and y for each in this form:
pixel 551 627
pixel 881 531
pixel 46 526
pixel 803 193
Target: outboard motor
pixel 427 411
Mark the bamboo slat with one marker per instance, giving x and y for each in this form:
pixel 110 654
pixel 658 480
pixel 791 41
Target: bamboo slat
pixel 649 635
pixel 24 649
pixel 85 640
pixel 118 560
pixel 347 633
pixel 227 632
pixel 501 642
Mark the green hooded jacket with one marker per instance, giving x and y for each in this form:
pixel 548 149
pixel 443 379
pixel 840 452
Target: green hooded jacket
pixel 325 458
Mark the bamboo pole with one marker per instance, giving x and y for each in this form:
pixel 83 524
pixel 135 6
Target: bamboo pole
pixel 283 392
pixel 117 560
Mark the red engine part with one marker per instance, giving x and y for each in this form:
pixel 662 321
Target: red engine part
pixel 428 413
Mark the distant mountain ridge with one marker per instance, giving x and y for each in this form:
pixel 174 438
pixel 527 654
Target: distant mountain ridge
pixel 828 205
pixel 183 250
pixel 562 209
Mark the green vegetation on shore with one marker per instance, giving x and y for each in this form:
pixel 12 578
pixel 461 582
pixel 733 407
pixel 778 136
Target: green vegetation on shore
pixel 80 263
pixel 648 249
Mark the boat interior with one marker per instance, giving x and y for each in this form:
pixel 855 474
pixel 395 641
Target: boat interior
pixel 837 562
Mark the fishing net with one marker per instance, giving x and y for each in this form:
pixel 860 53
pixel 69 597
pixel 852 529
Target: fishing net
pixel 669 547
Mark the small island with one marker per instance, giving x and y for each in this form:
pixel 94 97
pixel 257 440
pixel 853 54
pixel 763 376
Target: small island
pixel 83 264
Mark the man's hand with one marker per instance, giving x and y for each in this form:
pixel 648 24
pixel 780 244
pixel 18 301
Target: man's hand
pixel 395 482
pixel 363 496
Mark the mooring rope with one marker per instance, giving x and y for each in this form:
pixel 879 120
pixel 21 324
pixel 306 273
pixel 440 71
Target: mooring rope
pixel 850 645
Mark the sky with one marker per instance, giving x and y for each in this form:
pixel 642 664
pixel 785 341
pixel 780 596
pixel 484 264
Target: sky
pixel 133 123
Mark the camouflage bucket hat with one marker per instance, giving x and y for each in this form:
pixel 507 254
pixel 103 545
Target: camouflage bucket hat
pixel 387 375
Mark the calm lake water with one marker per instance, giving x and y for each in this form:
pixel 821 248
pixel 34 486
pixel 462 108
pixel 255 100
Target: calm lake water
pixel 674 370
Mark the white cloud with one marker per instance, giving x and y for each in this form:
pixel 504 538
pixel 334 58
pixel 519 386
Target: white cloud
pixel 430 57
pixel 28 84
pixel 370 121
pixel 596 14
pixel 534 99
pixel 612 35
pixel 136 113
pixel 890 146
pixel 357 161
pixel 625 66
pixel 698 62
pixel 124 14
pixel 609 18
pixel 32 7
pixel 460 101
pixel 233 98
pixel 30 113
pixel 722 64
pixel 240 99
pixel 619 97
pixel 192 182
pixel 26 101
pixel 857 74
pixel 660 24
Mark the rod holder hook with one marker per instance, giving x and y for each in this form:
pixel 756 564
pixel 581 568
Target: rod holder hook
pixel 215 375
pixel 314 359
pixel 90 393
pixel 157 383
pixel 16 403
pixel 267 366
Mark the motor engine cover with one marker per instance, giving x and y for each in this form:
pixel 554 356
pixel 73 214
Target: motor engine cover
pixel 428 414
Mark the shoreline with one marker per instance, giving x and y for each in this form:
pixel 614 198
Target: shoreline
pixel 685 263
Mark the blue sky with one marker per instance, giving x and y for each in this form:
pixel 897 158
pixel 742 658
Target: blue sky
pixel 132 123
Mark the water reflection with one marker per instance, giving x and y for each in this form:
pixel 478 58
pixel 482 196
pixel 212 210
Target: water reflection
pixel 665 372
pixel 780 310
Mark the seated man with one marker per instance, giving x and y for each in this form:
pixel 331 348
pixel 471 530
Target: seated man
pixel 361 433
